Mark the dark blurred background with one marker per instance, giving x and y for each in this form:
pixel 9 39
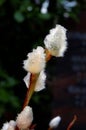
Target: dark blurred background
pixel 23 26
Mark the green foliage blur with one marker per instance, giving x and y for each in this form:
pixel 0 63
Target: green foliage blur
pixel 6 92
pixel 23 25
pixel 28 9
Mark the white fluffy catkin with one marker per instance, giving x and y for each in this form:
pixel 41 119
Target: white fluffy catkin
pixel 55 42
pixel 9 125
pixel 35 62
pixel 25 118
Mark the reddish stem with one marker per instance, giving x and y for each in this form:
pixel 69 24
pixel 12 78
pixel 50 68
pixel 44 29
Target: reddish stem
pixel 72 122
pixel 32 127
pixel 30 90
pixel 49 128
pixel 48 55
pixel 16 128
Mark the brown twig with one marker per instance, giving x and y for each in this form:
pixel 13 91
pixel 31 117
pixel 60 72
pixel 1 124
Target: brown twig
pixel 16 128
pixel 30 90
pixel 72 122
pixel 48 55
pixel 49 128
pixel 32 127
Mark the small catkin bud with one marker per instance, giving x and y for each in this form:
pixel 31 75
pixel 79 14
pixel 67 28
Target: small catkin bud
pixel 55 122
pixel 12 125
pixel 5 126
pixel 25 118
pixel 9 125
